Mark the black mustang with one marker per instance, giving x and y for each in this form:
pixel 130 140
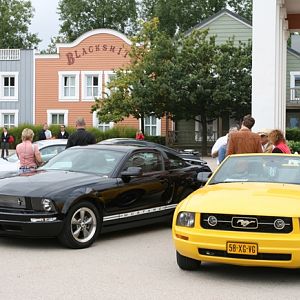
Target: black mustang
pixel 86 190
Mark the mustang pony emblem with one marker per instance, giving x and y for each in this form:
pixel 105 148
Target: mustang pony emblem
pixel 245 223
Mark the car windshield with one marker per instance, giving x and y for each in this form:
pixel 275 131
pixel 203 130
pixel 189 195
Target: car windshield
pixel 259 168
pixel 97 161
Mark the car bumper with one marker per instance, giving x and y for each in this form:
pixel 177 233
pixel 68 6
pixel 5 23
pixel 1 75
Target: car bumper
pixel 30 224
pixel 274 250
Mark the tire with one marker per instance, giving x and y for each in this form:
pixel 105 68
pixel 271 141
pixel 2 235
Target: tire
pixel 186 263
pixel 78 234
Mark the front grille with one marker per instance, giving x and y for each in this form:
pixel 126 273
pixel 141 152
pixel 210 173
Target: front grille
pixel 246 223
pixel 259 256
pixel 12 201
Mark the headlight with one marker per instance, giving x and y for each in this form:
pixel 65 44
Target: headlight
pixel 186 219
pixel 47 205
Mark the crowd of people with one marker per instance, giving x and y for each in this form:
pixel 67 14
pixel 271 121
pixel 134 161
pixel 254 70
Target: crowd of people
pixel 245 141
pixel 236 141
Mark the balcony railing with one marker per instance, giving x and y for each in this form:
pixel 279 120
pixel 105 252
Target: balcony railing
pixel 9 54
pixel 294 98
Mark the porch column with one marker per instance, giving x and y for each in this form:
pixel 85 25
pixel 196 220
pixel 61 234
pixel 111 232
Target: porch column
pixel 269 64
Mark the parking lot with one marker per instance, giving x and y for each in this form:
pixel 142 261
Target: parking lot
pixel 133 264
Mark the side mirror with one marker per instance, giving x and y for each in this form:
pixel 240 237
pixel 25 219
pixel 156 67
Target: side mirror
pixel 203 177
pixel 131 172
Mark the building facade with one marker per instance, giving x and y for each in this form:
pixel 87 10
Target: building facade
pixel 68 82
pixel 17 73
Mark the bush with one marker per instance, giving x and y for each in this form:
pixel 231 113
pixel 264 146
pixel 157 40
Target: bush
pixel 293 134
pixel 115 132
pixel 294 146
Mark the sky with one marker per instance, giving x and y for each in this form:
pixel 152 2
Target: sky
pixel 45 21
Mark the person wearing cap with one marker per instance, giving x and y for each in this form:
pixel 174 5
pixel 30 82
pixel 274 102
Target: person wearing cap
pixel 266 145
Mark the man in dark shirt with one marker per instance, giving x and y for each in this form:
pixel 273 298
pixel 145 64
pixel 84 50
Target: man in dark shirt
pixel 80 137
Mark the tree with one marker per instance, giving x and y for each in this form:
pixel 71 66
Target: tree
pixel 242 8
pixel 143 88
pixel 179 15
pixel 16 17
pixel 51 49
pixel 215 80
pixel 81 16
pixel 189 78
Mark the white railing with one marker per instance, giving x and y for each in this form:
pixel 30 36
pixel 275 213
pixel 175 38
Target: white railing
pixel 9 54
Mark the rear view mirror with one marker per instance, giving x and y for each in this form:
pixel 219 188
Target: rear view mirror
pixel 131 172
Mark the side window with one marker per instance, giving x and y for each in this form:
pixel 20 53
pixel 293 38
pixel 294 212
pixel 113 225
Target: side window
pixel 51 151
pixel 175 162
pixel 148 161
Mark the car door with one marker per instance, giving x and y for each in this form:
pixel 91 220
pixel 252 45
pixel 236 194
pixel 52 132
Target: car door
pixel 143 195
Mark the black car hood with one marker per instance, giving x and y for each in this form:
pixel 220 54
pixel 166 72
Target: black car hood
pixel 47 183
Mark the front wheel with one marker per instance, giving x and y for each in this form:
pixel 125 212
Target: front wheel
pixel 186 263
pixel 81 227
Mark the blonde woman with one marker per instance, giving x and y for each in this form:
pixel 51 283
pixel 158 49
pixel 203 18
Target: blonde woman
pixel 28 153
pixel 276 137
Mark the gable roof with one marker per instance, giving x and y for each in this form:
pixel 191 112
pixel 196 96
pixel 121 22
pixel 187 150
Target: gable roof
pixel 216 16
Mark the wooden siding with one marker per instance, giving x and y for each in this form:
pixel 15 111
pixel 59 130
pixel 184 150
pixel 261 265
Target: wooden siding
pixel 226 27
pixel 25 68
pixel 99 52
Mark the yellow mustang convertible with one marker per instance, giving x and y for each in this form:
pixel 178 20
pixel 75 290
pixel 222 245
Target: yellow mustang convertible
pixel 248 213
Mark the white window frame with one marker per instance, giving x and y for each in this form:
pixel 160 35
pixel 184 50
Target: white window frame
pixel 292 85
pixel 106 81
pixel 64 112
pixel 11 112
pixel 158 126
pixel 84 74
pixel 96 121
pixel 9 98
pixel 61 75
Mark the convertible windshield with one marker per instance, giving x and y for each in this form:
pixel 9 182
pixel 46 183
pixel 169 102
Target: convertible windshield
pixel 98 161
pixel 259 168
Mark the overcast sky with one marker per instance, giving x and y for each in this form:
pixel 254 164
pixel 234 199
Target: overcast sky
pixel 45 21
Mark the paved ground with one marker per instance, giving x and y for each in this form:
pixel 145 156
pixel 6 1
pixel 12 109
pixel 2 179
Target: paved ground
pixel 134 264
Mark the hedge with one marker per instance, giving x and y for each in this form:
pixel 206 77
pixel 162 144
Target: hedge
pixel 115 132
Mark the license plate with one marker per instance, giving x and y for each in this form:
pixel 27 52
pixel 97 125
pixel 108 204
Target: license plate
pixel 241 248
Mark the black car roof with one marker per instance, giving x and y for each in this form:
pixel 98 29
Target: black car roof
pixel 117 147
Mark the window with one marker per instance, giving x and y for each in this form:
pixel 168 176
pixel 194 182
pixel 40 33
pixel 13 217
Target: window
pixel 148 161
pixel 152 125
pixel 108 76
pixel 69 86
pixel 9 118
pixel 57 117
pixel 176 162
pixel 101 126
pixel 91 85
pixel 9 86
pixel 295 86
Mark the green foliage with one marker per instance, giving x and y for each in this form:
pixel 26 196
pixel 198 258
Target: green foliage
pixel 188 77
pixel 80 16
pixel 242 7
pixel 16 17
pixel 118 131
pixel 293 134
pixel 144 87
pixel 294 146
pixel 179 15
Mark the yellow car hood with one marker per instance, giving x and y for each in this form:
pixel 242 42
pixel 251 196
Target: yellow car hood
pixel 269 199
